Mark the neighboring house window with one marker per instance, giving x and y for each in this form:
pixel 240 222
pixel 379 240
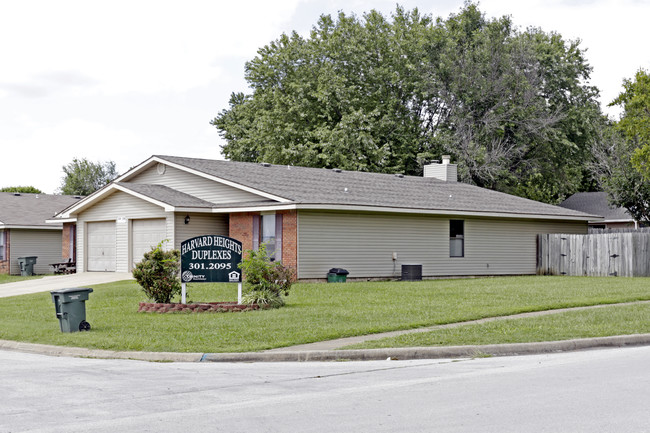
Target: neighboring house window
pixel 456 238
pixel 267 228
pixel 2 245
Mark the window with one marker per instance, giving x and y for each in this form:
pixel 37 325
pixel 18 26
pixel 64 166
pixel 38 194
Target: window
pixel 268 234
pixel 2 245
pixel 267 228
pixel 456 238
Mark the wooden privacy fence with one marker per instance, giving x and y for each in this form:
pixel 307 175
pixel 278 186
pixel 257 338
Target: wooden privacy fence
pixel 623 254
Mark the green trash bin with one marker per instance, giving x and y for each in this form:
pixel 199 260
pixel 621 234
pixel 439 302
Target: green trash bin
pixel 27 265
pixel 337 275
pixel 70 305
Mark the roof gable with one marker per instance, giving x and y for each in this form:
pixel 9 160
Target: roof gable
pixel 139 171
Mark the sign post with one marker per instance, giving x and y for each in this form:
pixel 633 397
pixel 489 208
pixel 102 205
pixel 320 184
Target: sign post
pixel 211 259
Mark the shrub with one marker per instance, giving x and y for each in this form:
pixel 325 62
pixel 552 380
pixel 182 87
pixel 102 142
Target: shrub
pixel 157 274
pixel 265 281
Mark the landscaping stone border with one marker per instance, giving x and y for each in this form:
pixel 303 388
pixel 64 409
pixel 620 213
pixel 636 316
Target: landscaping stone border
pixel 203 307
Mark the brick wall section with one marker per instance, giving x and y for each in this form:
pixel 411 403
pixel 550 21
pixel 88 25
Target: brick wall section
pixel 4 264
pixel 65 249
pixel 241 228
pixel 290 238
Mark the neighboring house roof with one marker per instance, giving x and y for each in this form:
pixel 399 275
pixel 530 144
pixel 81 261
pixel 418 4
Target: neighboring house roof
pixel 596 203
pixel 282 186
pixel 22 210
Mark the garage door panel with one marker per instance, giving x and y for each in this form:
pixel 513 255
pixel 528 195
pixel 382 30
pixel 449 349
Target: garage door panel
pixel 101 246
pixel 146 234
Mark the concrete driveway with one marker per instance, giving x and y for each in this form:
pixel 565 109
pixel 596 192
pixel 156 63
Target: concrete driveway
pixel 55 282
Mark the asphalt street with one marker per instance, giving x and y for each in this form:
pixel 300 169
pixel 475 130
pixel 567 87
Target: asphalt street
pixel 590 391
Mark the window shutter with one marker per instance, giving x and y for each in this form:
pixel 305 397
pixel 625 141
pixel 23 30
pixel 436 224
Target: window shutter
pixel 278 237
pixel 256 232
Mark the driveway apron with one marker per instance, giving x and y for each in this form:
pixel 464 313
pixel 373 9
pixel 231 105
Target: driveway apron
pixel 56 282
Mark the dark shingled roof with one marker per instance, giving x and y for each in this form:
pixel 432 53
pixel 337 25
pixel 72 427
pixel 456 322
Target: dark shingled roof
pixel 166 195
pixel 31 209
pixel 596 203
pixel 317 186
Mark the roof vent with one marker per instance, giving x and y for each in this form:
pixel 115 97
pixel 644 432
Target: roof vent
pixel 77 197
pixel 337 170
pixel 265 164
pixel 17 194
pixel 400 175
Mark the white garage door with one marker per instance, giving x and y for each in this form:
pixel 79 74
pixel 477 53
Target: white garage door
pixel 146 234
pixel 101 246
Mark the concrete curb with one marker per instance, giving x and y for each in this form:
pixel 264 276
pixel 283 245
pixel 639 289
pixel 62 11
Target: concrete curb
pixel 433 352
pixel 405 353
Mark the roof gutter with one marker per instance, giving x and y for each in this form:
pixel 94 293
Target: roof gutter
pixel 24 227
pixel 361 208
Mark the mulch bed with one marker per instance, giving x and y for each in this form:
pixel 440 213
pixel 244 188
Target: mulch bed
pixel 204 307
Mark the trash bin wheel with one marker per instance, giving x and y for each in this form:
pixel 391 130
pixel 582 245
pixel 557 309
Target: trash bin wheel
pixel 84 326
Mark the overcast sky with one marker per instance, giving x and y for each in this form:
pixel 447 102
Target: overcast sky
pixel 123 80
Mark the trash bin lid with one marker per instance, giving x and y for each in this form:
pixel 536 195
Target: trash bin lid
pixel 338 271
pixel 72 290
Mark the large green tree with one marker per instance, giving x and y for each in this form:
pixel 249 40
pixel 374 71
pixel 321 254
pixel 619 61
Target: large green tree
pixel 377 94
pixel 634 123
pixel 345 97
pixel 622 152
pixel 613 169
pixel 83 177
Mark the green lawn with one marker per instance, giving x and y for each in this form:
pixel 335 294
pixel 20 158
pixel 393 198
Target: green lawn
pixel 4 278
pixel 600 322
pixel 314 312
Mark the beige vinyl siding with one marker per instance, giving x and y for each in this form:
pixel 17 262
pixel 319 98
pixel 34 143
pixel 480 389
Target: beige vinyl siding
pixel 200 224
pixel 121 208
pixel 364 243
pixel 197 186
pixel 44 244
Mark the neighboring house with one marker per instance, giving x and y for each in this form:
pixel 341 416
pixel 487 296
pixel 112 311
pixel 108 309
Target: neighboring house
pixel 597 203
pixel 316 219
pixel 24 232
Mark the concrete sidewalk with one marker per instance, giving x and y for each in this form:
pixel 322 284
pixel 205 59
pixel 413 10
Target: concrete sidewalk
pixel 56 282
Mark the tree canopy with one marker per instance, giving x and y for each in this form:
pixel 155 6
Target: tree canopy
pixel 634 123
pixel 22 189
pixel 622 152
pixel 513 108
pixel 83 177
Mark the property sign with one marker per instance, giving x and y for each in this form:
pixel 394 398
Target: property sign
pixel 211 259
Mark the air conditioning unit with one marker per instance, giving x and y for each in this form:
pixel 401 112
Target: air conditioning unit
pixel 411 272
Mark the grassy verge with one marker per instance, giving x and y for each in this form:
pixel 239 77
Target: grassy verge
pixel 601 322
pixel 4 278
pixel 314 312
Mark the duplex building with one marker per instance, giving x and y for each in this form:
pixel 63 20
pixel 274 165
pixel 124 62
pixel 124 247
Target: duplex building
pixel 315 219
